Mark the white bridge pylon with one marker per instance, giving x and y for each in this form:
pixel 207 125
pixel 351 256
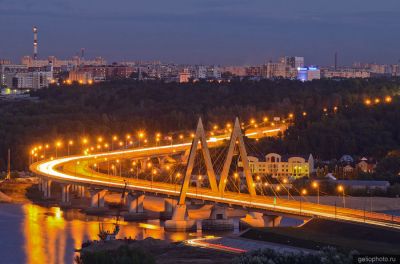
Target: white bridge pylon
pixel 200 137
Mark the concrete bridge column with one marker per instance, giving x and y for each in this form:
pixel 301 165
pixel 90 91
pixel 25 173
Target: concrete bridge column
pixel 46 187
pixel 40 183
pixel 257 219
pixel 97 198
pixel 169 204
pixel 180 220
pixel 65 193
pixel 218 219
pixel 236 225
pixel 272 220
pixel 143 165
pixel 80 190
pixel 135 203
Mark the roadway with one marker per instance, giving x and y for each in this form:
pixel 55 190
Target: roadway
pixel 76 170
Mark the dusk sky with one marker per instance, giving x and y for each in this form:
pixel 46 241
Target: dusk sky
pixel 204 31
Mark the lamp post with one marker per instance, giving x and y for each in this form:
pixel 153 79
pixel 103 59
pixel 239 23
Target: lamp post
pixel 58 144
pixel 44 150
pixel 198 183
pixel 237 180
pixel 287 189
pixel 153 173
pixel 176 179
pixel 114 138
pixel 140 136
pixel 126 140
pixel 316 186
pixel 341 189
pixel 303 192
pixel 70 143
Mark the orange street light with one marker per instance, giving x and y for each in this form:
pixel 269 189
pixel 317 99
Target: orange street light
pixel 388 99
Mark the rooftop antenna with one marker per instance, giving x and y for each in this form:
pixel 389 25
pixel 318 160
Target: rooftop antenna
pixel 35 43
pixel 336 60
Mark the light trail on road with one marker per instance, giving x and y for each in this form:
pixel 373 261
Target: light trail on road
pixel 66 169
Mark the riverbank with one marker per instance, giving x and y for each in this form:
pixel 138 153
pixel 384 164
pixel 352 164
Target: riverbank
pixel 319 233
pixel 153 251
pixel 19 190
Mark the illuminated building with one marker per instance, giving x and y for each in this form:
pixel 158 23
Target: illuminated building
pixel 293 62
pixel 8 72
pixel 184 76
pixel 213 72
pixel 235 70
pixel 82 77
pixel 32 80
pixel 201 72
pixel 75 61
pixel 308 74
pixel 4 61
pixel 282 166
pixel 346 73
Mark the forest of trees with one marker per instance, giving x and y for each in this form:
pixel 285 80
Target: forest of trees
pixel 126 106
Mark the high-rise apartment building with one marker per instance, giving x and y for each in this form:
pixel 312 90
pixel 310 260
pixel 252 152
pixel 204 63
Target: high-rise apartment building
pixel 308 74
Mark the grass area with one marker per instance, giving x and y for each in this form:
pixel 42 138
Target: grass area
pixel 319 233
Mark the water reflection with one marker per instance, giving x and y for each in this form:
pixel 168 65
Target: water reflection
pixel 51 235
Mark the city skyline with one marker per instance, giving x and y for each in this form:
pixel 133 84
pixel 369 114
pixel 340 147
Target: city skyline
pixel 207 32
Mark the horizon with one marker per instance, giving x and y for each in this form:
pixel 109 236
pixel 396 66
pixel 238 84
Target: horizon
pixel 206 32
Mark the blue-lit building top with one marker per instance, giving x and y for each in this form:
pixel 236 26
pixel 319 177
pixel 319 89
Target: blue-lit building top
pixel 308 73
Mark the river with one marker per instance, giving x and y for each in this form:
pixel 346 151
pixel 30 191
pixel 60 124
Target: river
pixel 33 234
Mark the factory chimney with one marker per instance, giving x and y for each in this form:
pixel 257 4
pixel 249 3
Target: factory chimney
pixel 35 43
pixel 336 60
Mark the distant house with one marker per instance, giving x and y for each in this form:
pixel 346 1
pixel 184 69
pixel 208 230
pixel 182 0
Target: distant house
pixel 282 166
pixel 348 170
pixel 362 185
pixel 366 166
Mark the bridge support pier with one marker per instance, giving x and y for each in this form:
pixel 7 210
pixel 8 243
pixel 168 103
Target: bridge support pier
pixel 40 184
pixel 97 198
pixel 65 193
pixel 218 219
pixel 46 188
pixel 180 220
pixel 80 190
pixel 256 219
pixel 169 204
pixel 135 203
